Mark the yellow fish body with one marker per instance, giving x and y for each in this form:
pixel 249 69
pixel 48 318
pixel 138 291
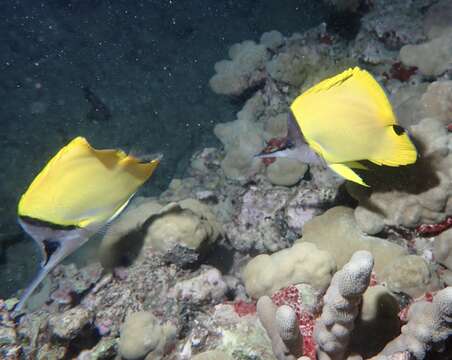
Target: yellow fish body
pixel 346 119
pixel 78 191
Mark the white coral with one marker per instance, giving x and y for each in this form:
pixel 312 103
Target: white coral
pixel 433 57
pixel 342 301
pixel 302 263
pixel 429 325
pixel 243 71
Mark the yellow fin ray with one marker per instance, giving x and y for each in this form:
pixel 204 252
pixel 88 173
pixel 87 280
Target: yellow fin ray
pixel 347 173
pixel 356 165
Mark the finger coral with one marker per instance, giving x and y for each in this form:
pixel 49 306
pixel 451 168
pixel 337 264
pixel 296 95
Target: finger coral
pixel 341 307
pixel 281 325
pixel 429 326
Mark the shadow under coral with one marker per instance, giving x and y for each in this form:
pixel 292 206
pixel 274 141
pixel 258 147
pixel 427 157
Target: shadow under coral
pixel 411 179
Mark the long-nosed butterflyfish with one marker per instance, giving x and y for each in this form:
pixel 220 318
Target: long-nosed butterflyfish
pixel 343 120
pixel 79 191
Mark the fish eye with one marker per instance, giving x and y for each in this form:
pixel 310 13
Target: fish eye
pixel 398 129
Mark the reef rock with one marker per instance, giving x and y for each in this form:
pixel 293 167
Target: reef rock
pixel 258 223
pixel 206 288
pixel 307 202
pixel 68 325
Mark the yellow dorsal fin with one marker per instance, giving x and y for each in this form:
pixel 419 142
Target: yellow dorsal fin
pixel 81 186
pixel 362 84
pixel 347 173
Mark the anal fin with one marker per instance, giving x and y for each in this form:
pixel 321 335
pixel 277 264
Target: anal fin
pixel 347 173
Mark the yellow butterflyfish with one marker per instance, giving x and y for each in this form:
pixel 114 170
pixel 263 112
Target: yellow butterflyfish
pixel 344 120
pixel 78 191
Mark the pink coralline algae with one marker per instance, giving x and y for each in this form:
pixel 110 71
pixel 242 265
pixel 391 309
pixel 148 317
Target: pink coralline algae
pixel 291 296
pixel 273 145
pixel 373 279
pixel 403 314
pixel 434 229
pixel 243 308
pixel 400 72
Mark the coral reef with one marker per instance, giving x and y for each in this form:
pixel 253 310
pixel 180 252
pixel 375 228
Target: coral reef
pixel 238 257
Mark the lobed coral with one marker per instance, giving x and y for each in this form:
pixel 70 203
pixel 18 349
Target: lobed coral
pixel 142 336
pixel 302 263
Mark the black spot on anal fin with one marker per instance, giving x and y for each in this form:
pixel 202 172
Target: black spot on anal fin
pixel 398 129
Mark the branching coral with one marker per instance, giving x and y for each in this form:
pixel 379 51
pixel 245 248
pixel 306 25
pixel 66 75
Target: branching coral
pixel 429 325
pixel 342 301
pixel 282 327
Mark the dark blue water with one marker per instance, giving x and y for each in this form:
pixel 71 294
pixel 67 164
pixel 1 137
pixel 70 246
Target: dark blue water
pixel 149 63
